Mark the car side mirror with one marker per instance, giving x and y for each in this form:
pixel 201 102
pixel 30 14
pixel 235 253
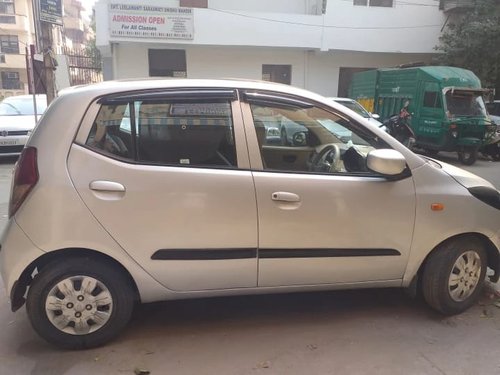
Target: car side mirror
pixel 375 116
pixel 386 162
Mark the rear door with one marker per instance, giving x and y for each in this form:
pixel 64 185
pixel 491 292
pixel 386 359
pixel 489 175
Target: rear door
pixel 167 175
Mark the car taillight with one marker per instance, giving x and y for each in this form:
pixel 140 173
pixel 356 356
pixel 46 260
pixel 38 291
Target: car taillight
pixel 24 180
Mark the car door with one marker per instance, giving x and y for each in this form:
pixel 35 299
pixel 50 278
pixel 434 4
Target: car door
pixel 429 128
pixel 179 198
pixel 324 227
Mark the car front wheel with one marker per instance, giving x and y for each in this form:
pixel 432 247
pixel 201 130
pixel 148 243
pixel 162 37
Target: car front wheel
pixel 79 303
pixel 454 275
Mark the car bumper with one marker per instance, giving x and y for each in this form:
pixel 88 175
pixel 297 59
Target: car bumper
pixel 12 145
pixel 17 253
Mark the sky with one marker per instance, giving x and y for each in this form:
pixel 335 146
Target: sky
pixel 88 4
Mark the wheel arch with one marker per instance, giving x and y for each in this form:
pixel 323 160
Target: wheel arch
pixel 21 285
pixel 491 250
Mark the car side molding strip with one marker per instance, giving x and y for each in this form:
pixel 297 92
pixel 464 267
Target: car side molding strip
pixel 204 254
pixel 248 253
pixel 325 253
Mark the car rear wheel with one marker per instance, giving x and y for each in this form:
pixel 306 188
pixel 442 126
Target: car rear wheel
pixel 79 303
pixel 454 275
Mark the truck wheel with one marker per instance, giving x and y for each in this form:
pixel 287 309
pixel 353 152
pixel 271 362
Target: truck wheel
pixel 431 152
pixel 79 302
pixel 496 154
pixel 468 155
pixel 454 275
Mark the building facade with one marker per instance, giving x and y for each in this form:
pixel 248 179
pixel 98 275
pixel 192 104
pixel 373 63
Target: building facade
pixel 16 32
pixel 314 44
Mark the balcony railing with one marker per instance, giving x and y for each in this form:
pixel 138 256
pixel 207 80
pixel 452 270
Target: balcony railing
pixel 449 5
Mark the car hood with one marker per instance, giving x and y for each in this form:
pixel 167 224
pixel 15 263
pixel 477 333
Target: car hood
pixel 463 177
pixel 17 122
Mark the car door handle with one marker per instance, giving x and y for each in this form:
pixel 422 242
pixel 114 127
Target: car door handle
pixel 107 186
pixel 283 196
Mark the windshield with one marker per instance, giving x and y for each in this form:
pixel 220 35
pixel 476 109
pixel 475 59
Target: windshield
pixel 13 106
pixel 355 106
pixel 465 104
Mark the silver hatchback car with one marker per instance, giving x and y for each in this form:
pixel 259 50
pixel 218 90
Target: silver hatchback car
pixel 155 190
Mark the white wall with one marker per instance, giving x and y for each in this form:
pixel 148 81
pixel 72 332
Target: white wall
pixel 313 70
pixel 279 6
pixel 402 29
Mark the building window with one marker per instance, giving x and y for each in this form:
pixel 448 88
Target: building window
pixel 167 63
pixel 277 73
pixel 7 19
pixel 9 44
pixel 10 81
pixel 374 3
pixel 2 59
pixel 194 3
pixel 7 7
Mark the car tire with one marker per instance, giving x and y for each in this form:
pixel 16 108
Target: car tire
pixel 468 155
pixel 90 300
pixel 454 275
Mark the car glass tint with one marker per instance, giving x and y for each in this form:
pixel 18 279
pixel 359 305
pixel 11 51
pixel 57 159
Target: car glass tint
pixel 108 134
pixel 194 134
pixel 290 139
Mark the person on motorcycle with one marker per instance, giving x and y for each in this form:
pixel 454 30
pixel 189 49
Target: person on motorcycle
pixel 398 126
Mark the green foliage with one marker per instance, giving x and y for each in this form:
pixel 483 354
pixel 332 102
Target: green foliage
pixel 91 49
pixel 472 41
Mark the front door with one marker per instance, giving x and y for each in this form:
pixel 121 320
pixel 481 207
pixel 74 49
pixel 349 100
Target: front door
pixel 429 129
pixel 169 180
pixel 328 220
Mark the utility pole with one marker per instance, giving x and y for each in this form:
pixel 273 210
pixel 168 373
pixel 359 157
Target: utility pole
pixel 49 64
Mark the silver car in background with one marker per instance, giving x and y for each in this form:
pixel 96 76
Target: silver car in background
pixel 17 120
pixel 166 189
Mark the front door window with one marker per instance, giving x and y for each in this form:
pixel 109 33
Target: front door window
pixel 311 140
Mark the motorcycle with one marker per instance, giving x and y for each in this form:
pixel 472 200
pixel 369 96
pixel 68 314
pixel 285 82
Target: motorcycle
pixel 397 125
pixel 491 148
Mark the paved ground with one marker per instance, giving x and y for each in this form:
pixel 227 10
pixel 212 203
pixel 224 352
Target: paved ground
pixel 357 332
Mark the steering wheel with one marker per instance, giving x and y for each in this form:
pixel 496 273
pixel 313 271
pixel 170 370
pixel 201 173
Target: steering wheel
pixel 327 160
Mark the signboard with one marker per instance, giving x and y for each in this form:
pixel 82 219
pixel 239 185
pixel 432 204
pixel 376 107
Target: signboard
pixel 145 21
pixel 51 11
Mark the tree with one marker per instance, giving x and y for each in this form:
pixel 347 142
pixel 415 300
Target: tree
pixel 472 41
pixel 91 50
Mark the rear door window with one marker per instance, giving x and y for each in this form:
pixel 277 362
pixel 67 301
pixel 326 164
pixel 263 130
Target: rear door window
pixel 166 132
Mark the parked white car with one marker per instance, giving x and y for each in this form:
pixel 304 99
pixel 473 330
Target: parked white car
pixel 359 109
pixel 17 120
pixel 168 189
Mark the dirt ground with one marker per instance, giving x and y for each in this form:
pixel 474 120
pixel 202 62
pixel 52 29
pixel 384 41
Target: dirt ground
pixel 378 331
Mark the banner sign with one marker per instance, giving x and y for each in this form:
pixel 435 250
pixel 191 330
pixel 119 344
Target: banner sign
pixel 145 21
pixel 51 11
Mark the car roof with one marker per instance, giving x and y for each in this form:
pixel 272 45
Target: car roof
pixel 123 86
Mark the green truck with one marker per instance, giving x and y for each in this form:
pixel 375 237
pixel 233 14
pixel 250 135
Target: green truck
pixel 446 105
